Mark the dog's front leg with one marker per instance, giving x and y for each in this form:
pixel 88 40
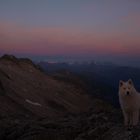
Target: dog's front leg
pixel 126 118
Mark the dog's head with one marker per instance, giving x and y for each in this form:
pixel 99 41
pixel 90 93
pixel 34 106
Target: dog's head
pixel 126 88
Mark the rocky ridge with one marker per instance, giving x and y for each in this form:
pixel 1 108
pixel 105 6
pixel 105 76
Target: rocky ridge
pixel 36 106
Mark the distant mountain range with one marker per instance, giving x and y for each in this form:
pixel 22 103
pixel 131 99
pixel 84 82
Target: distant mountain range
pixel 101 78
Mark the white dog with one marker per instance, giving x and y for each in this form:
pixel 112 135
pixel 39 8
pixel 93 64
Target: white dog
pixel 130 102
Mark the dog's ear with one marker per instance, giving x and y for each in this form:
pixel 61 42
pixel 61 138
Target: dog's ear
pixel 130 82
pixel 121 83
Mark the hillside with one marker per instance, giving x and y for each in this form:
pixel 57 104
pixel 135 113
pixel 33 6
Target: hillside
pixel 25 90
pixel 36 106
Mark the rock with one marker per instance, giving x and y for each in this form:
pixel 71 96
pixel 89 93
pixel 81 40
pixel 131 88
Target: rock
pixel 62 116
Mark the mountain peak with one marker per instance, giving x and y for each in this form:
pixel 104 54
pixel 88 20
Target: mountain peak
pixel 9 57
pixel 15 60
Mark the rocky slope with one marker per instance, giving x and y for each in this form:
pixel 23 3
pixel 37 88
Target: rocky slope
pixel 34 106
pixel 103 123
pixel 26 91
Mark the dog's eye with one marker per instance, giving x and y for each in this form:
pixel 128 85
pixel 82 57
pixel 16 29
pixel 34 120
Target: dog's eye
pixel 124 88
pixel 129 88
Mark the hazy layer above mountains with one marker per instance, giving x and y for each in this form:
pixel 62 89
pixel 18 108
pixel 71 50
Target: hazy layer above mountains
pixel 120 60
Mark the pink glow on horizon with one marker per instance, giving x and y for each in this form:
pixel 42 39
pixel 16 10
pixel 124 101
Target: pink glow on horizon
pixel 50 41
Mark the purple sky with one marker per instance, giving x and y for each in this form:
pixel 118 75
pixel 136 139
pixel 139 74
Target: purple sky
pixel 83 29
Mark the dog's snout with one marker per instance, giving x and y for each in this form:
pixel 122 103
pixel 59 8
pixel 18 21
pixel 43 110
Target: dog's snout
pixel 127 92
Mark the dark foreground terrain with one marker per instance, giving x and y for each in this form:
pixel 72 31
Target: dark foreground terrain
pixel 102 124
pixel 36 106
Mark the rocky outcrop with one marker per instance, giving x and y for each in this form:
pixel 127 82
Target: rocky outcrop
pixel 102 124
pixel 27 90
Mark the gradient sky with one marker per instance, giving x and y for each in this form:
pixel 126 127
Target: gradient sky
pixel 101 29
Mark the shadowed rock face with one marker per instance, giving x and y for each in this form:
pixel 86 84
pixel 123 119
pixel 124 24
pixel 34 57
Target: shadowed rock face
pixel 104 123
pixel 2 91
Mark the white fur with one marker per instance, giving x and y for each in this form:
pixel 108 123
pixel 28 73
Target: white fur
pixel 130 104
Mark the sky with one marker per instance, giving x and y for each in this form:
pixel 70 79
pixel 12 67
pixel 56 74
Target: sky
pixel 106 30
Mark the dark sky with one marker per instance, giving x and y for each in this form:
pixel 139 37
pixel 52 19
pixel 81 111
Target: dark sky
pixel 83 29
